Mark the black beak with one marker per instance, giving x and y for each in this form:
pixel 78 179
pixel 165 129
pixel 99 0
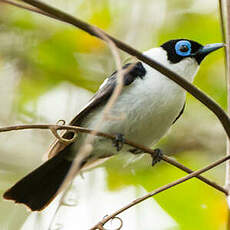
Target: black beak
pixel 205 50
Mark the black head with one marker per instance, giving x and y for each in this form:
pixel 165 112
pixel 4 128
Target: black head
pixel 179 49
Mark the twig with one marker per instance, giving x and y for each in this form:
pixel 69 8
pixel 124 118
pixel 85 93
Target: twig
pixel 22 6
pixel 61 139
pixel 86 148
pixel 227 65
pixel 228 84
pixel 223 32
pixel 185 169
pixel 158 190
pixel 206 100
pixel 112 137
pixel 120 74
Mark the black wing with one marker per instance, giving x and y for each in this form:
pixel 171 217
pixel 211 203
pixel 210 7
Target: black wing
pixel 179 115
pixel 104 93
pixel 101 97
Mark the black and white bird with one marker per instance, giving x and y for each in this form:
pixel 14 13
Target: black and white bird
pixel 150 102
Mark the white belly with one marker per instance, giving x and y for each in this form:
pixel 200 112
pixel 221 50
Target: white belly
pixel 150 106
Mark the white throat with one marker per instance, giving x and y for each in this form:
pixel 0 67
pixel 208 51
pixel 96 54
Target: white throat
pixel 186 68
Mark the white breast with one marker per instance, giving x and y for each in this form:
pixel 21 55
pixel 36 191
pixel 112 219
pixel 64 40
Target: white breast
pixel 150 105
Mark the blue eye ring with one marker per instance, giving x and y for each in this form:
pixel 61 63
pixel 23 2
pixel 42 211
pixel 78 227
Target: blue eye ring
pixel 183 44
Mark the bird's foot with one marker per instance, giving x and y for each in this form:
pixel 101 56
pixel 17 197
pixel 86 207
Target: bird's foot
pixel 156 156
pixel 119 141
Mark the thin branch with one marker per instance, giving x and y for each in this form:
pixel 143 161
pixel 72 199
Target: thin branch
pixel 86 148
pixel 25 7
pixel 223 31
pixel 158 190
pixel 206 100
pixel 228 85
pixel 226 37
pixel 112 137
pixel 185 169
pixel 61 139
pixel 120 75
pixel 221 11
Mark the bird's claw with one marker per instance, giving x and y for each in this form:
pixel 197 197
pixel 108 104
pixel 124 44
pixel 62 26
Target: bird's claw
pixel 156 156
pixel 119 141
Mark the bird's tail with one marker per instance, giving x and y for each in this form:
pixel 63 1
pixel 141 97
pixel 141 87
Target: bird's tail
pixel 39 188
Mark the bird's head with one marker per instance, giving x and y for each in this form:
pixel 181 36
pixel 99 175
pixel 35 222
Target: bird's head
pixel 180 49
pixel 182 55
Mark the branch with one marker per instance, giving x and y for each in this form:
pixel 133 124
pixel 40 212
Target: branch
pixel 87 147
pixel 226 38
pixel 158 190
pixel 223 31
pixel 228 84
pixel 111 137
pixel 198 94
pixel 32 9
pixel 221 12
pixel 213 106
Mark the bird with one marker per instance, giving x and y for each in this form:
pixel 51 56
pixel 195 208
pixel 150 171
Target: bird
pixel 150 102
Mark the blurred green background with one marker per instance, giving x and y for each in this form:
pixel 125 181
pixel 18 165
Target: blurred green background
pixel 49 70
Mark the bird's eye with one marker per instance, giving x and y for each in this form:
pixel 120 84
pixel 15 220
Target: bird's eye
pixel 183 48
